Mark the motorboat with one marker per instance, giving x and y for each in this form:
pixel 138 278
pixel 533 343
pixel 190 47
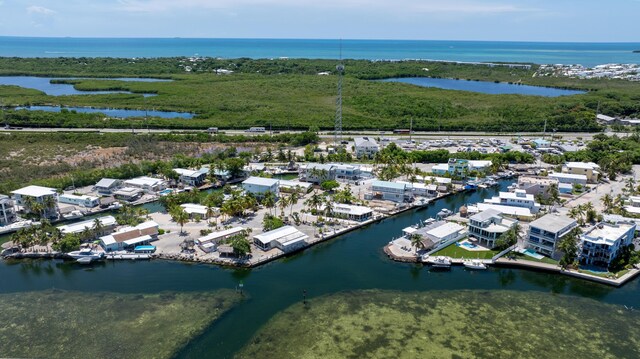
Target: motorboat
pixel 444 213
pixel 86 255
pixel 474 264
pixel 439 261
pixel 73 215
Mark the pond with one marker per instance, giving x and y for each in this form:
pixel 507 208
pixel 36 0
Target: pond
pixel 112 112
pixel 55 89
pixel 353 262
pixel 486 87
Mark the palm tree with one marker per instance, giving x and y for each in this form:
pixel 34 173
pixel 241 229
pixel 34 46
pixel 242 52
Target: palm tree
pixel 269 200
pixel 607 201
pixel 97 226
pixel 283 203
pixel 631 185
pixel 179 216
pixel 416 241
pixel 294 197
pixel 328 209
pixel 50 204
pixel 315 201
pixel 211 211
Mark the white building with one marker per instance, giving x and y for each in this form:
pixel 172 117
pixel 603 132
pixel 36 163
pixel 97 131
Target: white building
pixel 129 237
pixel 107 225
pixel 258 186
pixel 351 212
pixel 487 226
pixel 519 198
pixel 421 189
pixel 42 195
pixel 128 194
pixel 589 169
pixel 295 186
pixel 190 177
pixel 569 178
pixel 7 210
pixel 285 238
pixel 79 200
pixel 547 231
pixel 147 184
pixel 389 191
pixel 537 186
pixel 194 210
pixel 602 243
pixel 210 242
pixel 436 234
pixel 107 186
pixel 365 147
pixel 317 172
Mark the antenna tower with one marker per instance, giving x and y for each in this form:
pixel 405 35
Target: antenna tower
pixel 338 122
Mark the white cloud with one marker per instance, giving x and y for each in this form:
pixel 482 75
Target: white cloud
pixel 40 10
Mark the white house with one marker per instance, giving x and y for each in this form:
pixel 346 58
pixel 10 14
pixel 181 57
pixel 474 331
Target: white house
pixel 589 169
pixel 351 212
pixel 295 186
pixel 193 210
pixel 210 242
pixel 107 186
pixel 128 194
pixel 519 198
pixel 285 238
pixel 129 237
pixel 438 233
pixel 602 243
pixel 487 226
pixel 7 210
pixel 107 224
pixel 535 185
pixel 317 172
pixel 365 147
pixel 79 200
pixel 389 191
pixel 147 184
pixel 190 177
pixel 421 189
pixel 42 195
pixel 569 178
pixel 258 186
pixel 547 231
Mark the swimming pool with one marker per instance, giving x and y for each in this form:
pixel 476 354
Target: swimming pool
pixel 531 253
pixel 165 192
pixel 467 245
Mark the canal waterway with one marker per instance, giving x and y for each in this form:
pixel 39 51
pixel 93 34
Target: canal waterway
pixel 492 88
pixel 351 262
pixel 45 85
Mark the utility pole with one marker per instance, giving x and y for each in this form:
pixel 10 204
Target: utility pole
pixel 338 120
pixel 410 129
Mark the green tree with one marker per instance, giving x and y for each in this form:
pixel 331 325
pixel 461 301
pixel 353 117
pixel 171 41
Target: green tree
pixel 329 185
pixel 179 216
pixel 568 245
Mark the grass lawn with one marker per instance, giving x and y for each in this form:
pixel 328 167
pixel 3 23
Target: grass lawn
pixel 605 274
pixel 455 251
pixel 526 257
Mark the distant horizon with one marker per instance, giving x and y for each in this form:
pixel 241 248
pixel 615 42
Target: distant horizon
pixel 312 38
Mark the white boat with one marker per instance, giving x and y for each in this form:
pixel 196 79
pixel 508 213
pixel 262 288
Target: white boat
pixel 444 213
pixel 73 215
pixel 86 254
pixel 439 261
pixel 474 264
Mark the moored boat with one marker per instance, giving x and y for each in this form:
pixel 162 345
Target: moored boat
pixel 438 262
pixel 85 255
pixel 474 264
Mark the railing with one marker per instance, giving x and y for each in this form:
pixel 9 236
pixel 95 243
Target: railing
pixel 494 258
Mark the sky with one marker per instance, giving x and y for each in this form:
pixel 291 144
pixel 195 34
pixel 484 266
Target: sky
pixel 497 20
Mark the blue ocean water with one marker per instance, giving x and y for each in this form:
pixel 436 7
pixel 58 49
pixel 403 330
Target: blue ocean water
pixel 588 54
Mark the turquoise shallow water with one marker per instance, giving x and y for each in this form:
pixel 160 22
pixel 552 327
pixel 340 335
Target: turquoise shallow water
pixel 587 54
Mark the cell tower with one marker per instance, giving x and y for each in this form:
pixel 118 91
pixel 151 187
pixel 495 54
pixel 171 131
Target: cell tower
pixel 338 130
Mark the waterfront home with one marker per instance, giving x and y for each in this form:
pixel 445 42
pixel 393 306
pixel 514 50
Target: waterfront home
pixel 600 245
pixel 389 191
pixel 437 233
pixel 191 177
pixel 258 186
pixel 351 212
pixel 421 189
pixel 633 204
pixel 286 238
pixel 546 231
pixel 536 185
pixel 440 181
pixel 197 210
pixel 317 172
pixel 210 242
pixel 512 211
pixel 7 210
pixel 129 194
pixel 589 169
pixel 46 197
pixel 487 226
pixel 569 178
pixel 128 238
pixel 366 147
pixel 461 167
pixel 147 184
pixel 107 225
pixel 295 186
pixel 518 198
pixel 107 186
pixel 79 200
pixel 348 172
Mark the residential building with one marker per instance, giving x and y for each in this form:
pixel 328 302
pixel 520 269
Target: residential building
pixel 107 225
pixel 519 198
pixel 351 212
pixel 389 191
pixel 347 172
pixel 295 186
pixel 440 169
pixel 366 147
pixel 129 237
pixel 147 184
pixel 47 197
pixel 437 233
pixel 589 169
pixel 286 238
pixel 79 200
pixel 487 226
pixel 537 185
pixel 258 186
pixel 602 243
pixel 421 189
pixel 546 231
pixel 107 186
pixel 7 210
pixel 129 194
pixel 569 178
pixel 512 211
pixel 198 210
pixel 210 242
pixel 317 172
pixel 190 177
pixel 461 167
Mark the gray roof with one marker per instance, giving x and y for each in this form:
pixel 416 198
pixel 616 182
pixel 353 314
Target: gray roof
pixel 486 215
pixel 364 141
pixel 261 181
pixel 106 182
pixel 553 222
pixel 387 184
